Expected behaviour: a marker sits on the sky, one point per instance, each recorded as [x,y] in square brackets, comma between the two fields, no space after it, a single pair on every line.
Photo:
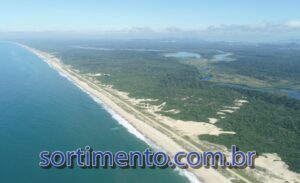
[211,19]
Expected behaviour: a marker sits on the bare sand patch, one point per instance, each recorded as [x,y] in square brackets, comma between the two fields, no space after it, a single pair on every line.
[275,170]
[227,110]
[213,120]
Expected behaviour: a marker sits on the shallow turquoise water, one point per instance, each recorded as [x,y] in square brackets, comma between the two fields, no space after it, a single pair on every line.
[40,110]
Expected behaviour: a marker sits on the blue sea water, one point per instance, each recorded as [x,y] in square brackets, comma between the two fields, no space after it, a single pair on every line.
[41,110]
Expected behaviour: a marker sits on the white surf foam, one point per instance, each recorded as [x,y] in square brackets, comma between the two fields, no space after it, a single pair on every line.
[191,177]
[123,122]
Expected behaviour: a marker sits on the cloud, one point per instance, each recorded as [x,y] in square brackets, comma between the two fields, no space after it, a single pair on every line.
[293,24]
[264,31]
[264,27]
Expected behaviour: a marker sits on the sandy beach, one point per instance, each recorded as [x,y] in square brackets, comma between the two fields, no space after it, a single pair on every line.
[156,132]
[157,137]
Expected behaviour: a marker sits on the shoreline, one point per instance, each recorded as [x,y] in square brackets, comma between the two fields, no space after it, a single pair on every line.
[156,131]
[146,132]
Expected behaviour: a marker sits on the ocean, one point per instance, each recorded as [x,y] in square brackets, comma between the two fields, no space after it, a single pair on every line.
[42,110]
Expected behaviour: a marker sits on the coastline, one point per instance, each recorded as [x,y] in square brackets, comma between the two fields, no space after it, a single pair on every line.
[160,132]
[134,124]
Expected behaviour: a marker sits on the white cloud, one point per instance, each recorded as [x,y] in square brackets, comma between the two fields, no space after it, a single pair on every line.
[293,24]
[264,31]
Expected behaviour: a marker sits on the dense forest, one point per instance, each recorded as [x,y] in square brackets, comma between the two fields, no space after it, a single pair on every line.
[268,123]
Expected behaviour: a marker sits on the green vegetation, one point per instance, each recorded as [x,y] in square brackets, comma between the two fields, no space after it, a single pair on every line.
[259,66]
[148,75]
[266,124]
[266,63]
[269,123]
